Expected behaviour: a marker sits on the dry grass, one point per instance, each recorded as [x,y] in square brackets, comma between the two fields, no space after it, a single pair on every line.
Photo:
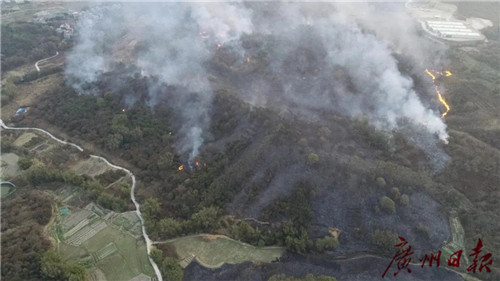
[9,165]
[213,251]
[90,166]
[24,138]
[28,93]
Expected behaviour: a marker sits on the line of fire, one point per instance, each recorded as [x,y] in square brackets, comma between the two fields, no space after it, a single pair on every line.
[433,74]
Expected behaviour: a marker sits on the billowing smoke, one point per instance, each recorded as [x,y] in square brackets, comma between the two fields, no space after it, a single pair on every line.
[169,42]
[319,59]
[322,60]
[393,23]
[87,61]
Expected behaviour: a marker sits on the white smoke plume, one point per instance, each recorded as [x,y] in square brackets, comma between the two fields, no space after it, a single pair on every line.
[87,60]
[171,42]
[403,33]
[322,41]
[321,59]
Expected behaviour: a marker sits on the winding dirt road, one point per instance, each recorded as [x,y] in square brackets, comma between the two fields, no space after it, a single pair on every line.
[45,59]
[132,190]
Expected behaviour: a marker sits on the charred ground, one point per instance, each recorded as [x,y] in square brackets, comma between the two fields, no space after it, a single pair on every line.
[302,175]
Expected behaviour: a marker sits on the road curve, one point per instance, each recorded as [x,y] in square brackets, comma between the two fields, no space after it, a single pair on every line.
[7,182]
[132,190]
[36,64]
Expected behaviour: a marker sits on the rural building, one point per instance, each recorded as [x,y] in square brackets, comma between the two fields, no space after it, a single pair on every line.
[453,30]
[21,110]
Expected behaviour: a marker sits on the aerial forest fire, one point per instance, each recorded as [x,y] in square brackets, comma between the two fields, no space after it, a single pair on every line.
[190,166]
[432,74]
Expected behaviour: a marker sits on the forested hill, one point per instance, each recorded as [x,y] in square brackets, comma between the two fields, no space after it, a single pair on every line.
[301,176]
[320,183]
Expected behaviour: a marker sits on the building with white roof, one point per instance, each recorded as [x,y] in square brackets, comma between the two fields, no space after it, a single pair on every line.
[453,30]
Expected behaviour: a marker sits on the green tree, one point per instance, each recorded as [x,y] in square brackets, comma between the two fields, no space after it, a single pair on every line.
[136,134]
[313,158]
[168,228]
[24,163]
[326,243]
[75,272]
[380,182]
[119,124]
[157,256]
[244,231]
[113,141]
[206,220]
[395,194]
[165,161]
[110,202]
[385,240]
[151,208]
[71,177]
[387,204]
[100,102]
[52,266]
[123,189]
[404,200]
[38,174]
[8,91]
[171,270]
[297,244]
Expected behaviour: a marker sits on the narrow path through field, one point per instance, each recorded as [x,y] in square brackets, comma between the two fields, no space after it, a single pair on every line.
[132,190]
[42,60]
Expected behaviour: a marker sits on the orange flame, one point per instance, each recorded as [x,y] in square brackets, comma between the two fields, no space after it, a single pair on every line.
[197,163]
[181,167]
[248,59]
[440,97]
[123,110]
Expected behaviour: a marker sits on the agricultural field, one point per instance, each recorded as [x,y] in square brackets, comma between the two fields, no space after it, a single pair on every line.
[213,251]
[90,166]
[24,138]
[5,190]
[9,165]
[117,254]
[29,11]
[104,241]
[108,244]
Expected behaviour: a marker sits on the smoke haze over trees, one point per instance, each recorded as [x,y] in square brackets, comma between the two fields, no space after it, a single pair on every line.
[312,58]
